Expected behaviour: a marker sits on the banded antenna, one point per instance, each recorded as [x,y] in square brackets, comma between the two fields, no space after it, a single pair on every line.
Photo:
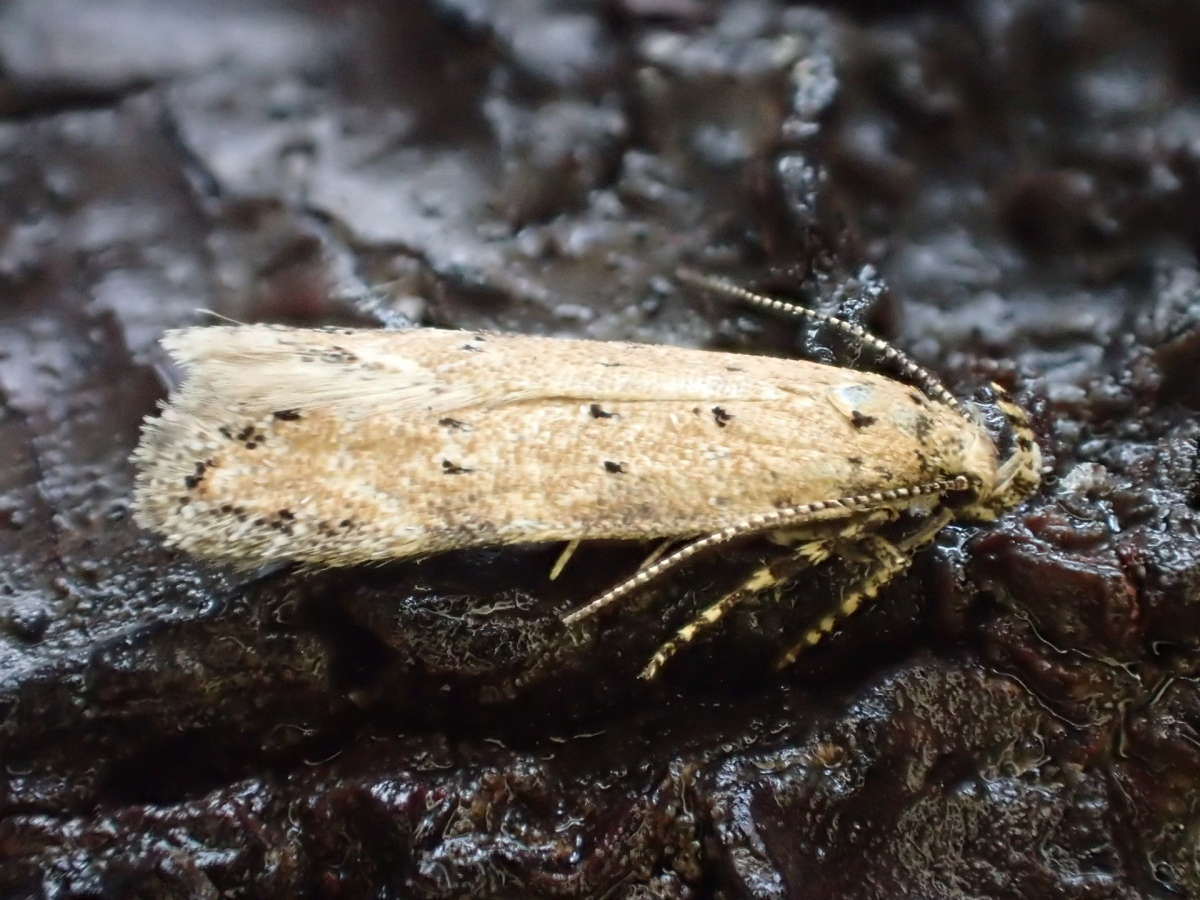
[929,383]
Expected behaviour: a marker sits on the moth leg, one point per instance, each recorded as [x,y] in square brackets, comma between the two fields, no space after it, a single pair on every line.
[812,546]
[762,579]
[806,514]
[564,558]
[815,552]
[817,543]
[657,553]
[887,560]
[890,562]
[569,551]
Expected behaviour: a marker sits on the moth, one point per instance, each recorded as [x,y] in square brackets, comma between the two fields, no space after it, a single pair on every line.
[338,447]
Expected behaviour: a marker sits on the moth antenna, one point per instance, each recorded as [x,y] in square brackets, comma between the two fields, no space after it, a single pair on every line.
[918,374]
[777,518]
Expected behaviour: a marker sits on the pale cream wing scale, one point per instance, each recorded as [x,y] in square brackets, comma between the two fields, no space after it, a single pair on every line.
[338,447]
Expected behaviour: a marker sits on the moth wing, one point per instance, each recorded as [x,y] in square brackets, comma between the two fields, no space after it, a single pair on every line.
[344,447]
[361,373]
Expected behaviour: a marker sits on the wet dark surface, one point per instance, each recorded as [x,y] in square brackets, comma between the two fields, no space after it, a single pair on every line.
[1008,190]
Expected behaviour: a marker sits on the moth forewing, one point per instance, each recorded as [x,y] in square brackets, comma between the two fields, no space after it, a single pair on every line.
[458,439]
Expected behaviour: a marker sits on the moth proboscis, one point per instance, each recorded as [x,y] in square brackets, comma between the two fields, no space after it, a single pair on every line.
[337,447]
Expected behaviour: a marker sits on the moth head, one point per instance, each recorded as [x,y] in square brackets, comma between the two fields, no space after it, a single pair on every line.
[1002,485]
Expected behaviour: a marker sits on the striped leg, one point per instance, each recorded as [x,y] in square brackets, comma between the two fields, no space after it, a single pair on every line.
[812,546]
[815,514]
[762,579]
[887,560]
